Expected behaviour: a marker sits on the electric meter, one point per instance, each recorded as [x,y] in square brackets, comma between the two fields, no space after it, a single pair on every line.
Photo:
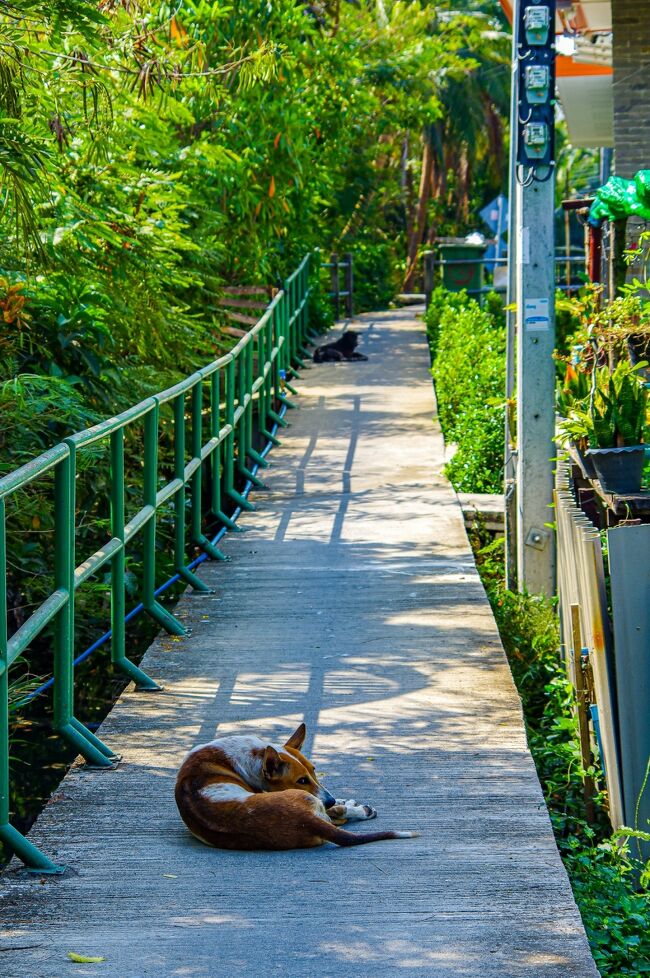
[538,84]
[537,24]
[536,140]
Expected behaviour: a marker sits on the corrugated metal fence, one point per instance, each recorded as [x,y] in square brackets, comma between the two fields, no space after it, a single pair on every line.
[605,622]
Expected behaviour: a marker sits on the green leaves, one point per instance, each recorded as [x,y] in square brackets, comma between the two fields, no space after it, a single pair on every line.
[84,958]
[615,413]
[468,346]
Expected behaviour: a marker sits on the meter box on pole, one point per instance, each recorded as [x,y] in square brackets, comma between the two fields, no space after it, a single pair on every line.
[536,85]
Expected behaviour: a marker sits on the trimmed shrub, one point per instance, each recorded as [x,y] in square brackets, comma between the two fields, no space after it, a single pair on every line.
[467,344]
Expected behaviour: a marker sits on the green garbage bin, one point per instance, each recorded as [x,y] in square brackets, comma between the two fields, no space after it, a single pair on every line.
[463,265]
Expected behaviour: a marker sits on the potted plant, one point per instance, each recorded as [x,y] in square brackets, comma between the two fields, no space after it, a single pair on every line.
[624,327]
[635,308]
[572,396]
[612,422]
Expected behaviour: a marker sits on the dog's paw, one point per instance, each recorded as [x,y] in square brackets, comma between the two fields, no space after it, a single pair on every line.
[356,812]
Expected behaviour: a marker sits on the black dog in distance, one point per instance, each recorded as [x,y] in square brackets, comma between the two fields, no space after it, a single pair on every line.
[343,349]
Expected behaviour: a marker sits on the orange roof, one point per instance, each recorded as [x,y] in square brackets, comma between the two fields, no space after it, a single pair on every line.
[581,18]
[568,68]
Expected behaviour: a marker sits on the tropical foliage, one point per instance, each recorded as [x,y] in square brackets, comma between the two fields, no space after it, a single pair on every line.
[150,153]
[464,147]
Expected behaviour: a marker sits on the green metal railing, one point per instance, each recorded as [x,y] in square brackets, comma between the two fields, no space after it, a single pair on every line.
[219,402]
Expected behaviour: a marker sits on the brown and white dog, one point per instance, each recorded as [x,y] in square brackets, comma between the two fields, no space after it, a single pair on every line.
[243,793]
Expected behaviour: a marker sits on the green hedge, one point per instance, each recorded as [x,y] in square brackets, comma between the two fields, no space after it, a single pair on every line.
[467,344]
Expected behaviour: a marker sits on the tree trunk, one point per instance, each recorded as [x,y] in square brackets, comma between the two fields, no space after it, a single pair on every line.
[464,181]
[408,190]
[416,236]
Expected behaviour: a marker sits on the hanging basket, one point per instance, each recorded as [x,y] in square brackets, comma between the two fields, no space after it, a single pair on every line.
[619,470]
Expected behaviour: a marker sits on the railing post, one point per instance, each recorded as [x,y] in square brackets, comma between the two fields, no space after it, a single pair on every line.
[217,455]
[11,837]
[64,549]
[151,605]
[287,346]
[196,503]
[231,491]
[428,259]
[334,268]
[179,500]
[315,263]
[291,326]
[243,438]
[277,351]
[291,289]
[303,298]
[118,591]
[307,294]
[252,379]
[89,746]
[251,454]
[349,285]
[265,353]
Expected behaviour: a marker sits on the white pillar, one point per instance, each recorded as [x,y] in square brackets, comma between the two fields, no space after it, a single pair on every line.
[535,291]
[535,386]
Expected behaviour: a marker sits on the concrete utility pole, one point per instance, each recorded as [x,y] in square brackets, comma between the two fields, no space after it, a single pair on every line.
[535,291]
[510,456]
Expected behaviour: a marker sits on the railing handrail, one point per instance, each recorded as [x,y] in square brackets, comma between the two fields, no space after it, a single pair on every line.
[559,260]
[26,473]
[237,382]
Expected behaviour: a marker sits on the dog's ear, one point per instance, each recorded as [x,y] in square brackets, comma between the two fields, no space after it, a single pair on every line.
[272,765]
[297,738]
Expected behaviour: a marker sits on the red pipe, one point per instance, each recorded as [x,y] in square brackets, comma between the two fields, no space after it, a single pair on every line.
[595,253]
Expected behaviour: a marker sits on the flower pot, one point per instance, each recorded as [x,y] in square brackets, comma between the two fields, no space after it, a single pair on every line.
[619,470]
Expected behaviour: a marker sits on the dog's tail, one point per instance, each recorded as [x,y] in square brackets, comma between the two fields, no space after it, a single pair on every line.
[332,833]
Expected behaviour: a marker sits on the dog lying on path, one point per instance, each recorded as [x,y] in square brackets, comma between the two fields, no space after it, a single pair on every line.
[244,793]
[342,349]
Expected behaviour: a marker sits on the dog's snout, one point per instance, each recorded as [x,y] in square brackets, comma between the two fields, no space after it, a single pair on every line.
[327,799]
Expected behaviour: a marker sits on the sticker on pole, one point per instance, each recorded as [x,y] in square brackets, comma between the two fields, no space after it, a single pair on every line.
[537,316]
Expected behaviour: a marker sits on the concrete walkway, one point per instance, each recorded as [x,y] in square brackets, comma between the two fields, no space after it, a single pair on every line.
[352,603]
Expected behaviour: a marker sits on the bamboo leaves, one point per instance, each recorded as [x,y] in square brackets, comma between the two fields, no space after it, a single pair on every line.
[153,157]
